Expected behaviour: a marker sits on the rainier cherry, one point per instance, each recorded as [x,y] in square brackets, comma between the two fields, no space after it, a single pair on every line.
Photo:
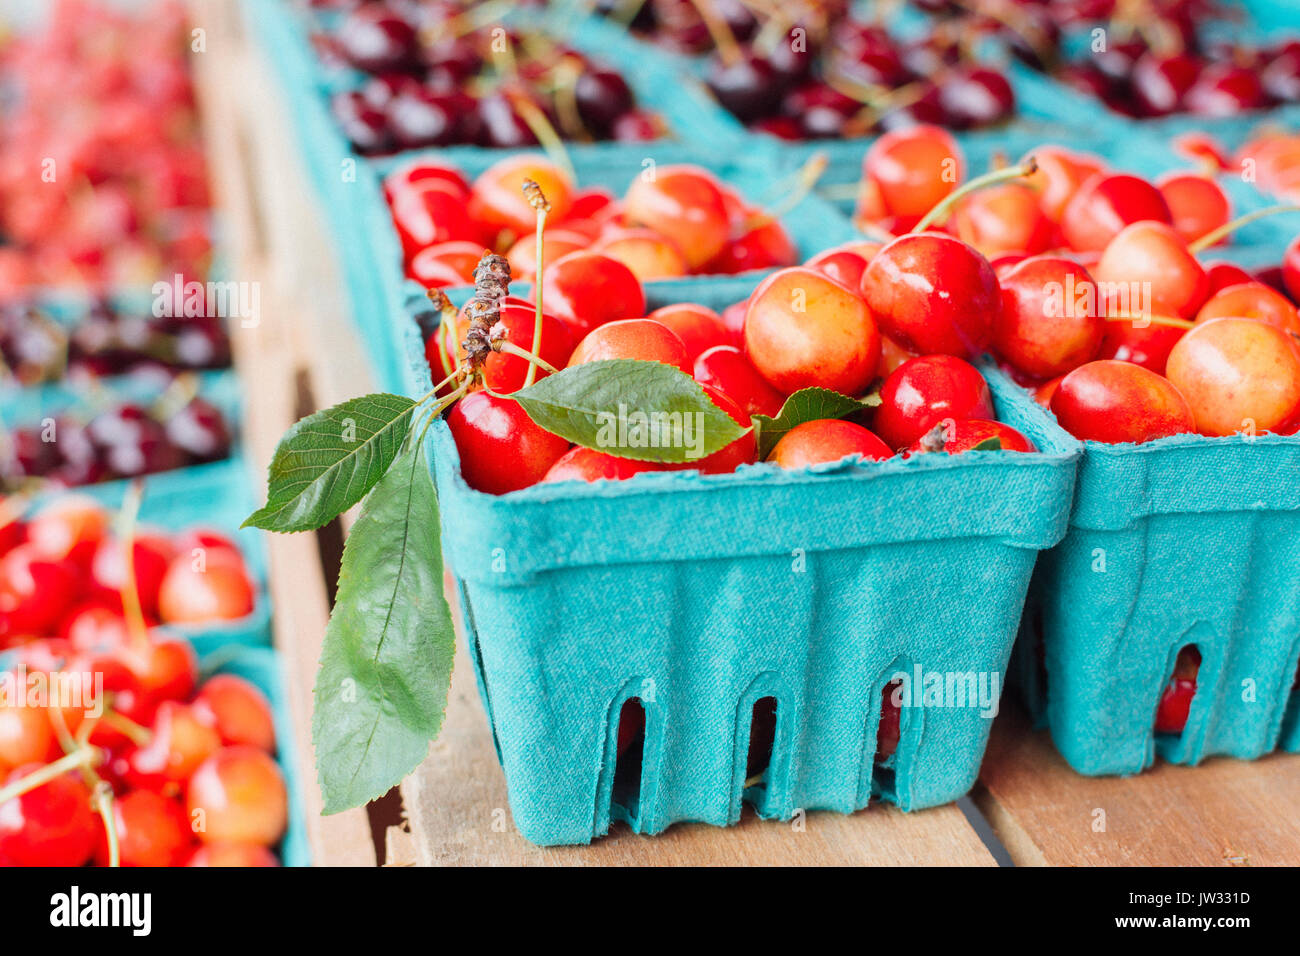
[69,527]
[685,204]
[1237,374]
[725,368]
[1002,219]
[217,590]
[35,592]
[1153,255]
[632,339]
[1050,321]
[504,372]
[926,391]
[742,451]
[497,199]
[232,854]
[933,293]
[1059,176]
[1196,202]
[501,448]
[1145,345]
[241,794]
[1104,205]
[25,735]
[698,326]
[1114,402]
[825,440]
[906,173]
[645,252]
[804,329]
[1291,269]
[1251,300]
[238,710]
[152,553]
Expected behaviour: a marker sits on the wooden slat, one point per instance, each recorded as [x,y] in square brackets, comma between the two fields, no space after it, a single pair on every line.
[456,802]
[1223,812]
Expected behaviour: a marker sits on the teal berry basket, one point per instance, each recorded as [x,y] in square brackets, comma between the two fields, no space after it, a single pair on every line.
[214,495]
[261,666]
[701,595]
[1182,541]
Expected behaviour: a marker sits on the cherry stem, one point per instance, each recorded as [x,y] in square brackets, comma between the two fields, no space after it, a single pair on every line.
[129,590]
[82,757]
[728,49]
[537,199]
[805,179]
[1172,321]
[567,72]
[546,134]
[535,361]
[1214,235]
[944,206]
[137,733]
[103,802]
[179,393]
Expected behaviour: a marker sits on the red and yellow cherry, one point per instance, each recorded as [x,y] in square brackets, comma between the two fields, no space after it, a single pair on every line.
[826,440]
[843,265]
[588,289]
[1251,300]
[95,625]
[587,464]
[25,735]
[152,830]
[1002,219]
[906,173]
[35,591]
[501,448]
[1237,374]
[955,437]
[742,451]
[164,668]
[557,243]
[241,795]
[926,391]
[1050,321]
[445,264]
[1221,275]
[182,739]
[803,328]
[592,203]
[762,243]
[1153,255]
[725,368]
[49,825]
[1060,174]
[685,204]
[632,339]
[218,589]
[698,326]
[497,199]
[1104,205]
[892,355]
[239,712]
[1115,402]
[69,528]
[152,554]
[1176,700]
[232,854]
[1196,202]
[645,252]
[932,293]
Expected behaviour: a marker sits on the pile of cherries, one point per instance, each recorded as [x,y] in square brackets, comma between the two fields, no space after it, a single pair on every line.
[102,174]
[62,575]
[104,340]
[435,82]
[821,74]
[683,220]
[122,441]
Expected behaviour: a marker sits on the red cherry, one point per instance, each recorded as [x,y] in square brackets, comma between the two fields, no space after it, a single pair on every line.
[698,326]
[742,451]
[955,437]
[725,368]
[51,825]
[825,440]
[95,625]
[1002,219]
[35,592]
[1059,176]
[1176,701]
[685,204]
[1107,203]
[152,553]
[906,173]
[804,329]
[501,448]
[1050,321]
[557,244]
[632,339]
[1153,255]
[165,668]
[587,464]
[25,735]
[588,289]
[888,732]
[238,795]
[1043,393]
[412,177]
[933,293]
[1223,274]
[843,265]
[504,372]
[1225,89]
[591,203]
[1291,269]
[1197,203]
[182,739]
[445,264]
[498,202]
[1148,346]
[152,830]
[764,245]
[1115,402]
[70,527]
[219,590]
[926,391]
[1251,300]
[433,214]
[238,710]
[232,854]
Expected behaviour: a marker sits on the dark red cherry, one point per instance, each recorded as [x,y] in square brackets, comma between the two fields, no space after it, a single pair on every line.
[976,97]
[602,97]
[1160,83]
[199,430]
[376,40]
[420,118]
[748,88]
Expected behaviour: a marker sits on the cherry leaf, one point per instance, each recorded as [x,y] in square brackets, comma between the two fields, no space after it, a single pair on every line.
[806,405]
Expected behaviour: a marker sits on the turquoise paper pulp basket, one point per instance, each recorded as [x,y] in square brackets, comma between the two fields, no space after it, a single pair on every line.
[1184,540]
[700,595]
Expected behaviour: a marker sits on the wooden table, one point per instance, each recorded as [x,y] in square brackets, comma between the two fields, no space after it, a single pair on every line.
[453,809]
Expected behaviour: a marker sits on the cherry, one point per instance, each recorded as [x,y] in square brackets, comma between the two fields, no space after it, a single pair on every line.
[1251,300]
[1160,83]
[889,730]
[749,86]
[955,437]
[843,264]
[95,626]
[501,448]
[1291,269]
[1281,77]
[1224,89]
[804,329]
[1043,393]
[151,554]
[587,464]
[645,252]
[152,830]
[698,326]
[763,243]
[685,204]
[217,590]
[1237,374]
[25,735]
[232,854]
[636,126]
[1148,346]
[1104,205]
[975,96]
[70,527]
[1224,274]
[199,430]
[1153,255]
[742,451]
[35,592]
[412,176]
[50,825]
[1176,700]
[182,738]
[131,443]
[504,372]
[826,440]
[1005,218]
[632,339]
[374,39]
[445,264]
[433,213]
[933,293]
[420,117]
[241,794]
[1115,402]
[522,256]
[1197,203]
[725,368]
[365,126]
[907,172]
[164,668]
[926,391]
[238,710]
[588,289]
[602,96]
[497,199]
[1049,322]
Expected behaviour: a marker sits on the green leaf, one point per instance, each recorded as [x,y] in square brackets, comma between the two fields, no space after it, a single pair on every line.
[630,408]
[806,405]
[326,462]
[989,444]
[385,667]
